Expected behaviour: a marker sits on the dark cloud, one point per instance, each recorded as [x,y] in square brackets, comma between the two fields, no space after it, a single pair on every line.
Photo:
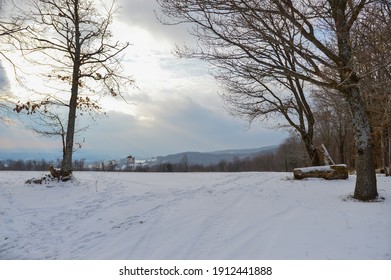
[170,126]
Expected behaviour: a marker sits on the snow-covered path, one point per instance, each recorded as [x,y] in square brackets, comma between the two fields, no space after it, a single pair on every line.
[190,216]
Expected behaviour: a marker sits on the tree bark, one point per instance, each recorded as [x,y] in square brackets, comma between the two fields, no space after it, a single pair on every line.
[366,186]
[67,161]
[67,158]
[311,150]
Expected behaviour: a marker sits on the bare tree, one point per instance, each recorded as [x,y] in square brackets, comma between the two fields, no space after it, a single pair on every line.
[253,90]
[73,39]
[316,34]
[253,93]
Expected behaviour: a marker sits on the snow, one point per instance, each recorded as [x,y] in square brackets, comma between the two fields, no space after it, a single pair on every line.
[191,216]
[323,168]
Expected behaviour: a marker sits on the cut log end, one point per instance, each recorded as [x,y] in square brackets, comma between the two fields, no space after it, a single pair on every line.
[328,172]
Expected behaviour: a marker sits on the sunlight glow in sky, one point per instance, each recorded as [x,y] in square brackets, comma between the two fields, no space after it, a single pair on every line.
[175,106]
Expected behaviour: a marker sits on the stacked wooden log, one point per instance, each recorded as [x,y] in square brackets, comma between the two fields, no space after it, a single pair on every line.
[328,172]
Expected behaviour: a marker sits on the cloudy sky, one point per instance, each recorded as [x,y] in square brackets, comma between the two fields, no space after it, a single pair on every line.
[176,106]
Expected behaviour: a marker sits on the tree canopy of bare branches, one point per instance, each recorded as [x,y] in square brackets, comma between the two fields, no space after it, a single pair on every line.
[266,53]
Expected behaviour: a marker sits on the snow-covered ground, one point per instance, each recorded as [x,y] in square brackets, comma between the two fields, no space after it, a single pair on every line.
[191,216]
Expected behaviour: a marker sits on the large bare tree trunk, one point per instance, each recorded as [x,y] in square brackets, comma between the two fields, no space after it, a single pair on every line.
[366,187]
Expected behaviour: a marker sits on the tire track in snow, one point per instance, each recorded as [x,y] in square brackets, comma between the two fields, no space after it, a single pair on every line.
[158,216]
[221,200]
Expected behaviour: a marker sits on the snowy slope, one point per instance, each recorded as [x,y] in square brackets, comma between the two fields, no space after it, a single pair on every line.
[191,216]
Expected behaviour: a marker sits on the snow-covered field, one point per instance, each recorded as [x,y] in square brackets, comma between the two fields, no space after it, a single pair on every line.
[191,216]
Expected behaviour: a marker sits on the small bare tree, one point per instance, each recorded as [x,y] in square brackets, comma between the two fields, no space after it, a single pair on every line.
[73,39]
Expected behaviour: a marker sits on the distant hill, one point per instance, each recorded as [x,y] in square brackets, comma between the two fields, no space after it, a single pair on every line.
[215,157]
[49,155]
[247,151]
[29,155]
[205,159]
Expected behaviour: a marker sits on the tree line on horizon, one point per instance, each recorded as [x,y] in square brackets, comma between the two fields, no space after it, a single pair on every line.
[289,155]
